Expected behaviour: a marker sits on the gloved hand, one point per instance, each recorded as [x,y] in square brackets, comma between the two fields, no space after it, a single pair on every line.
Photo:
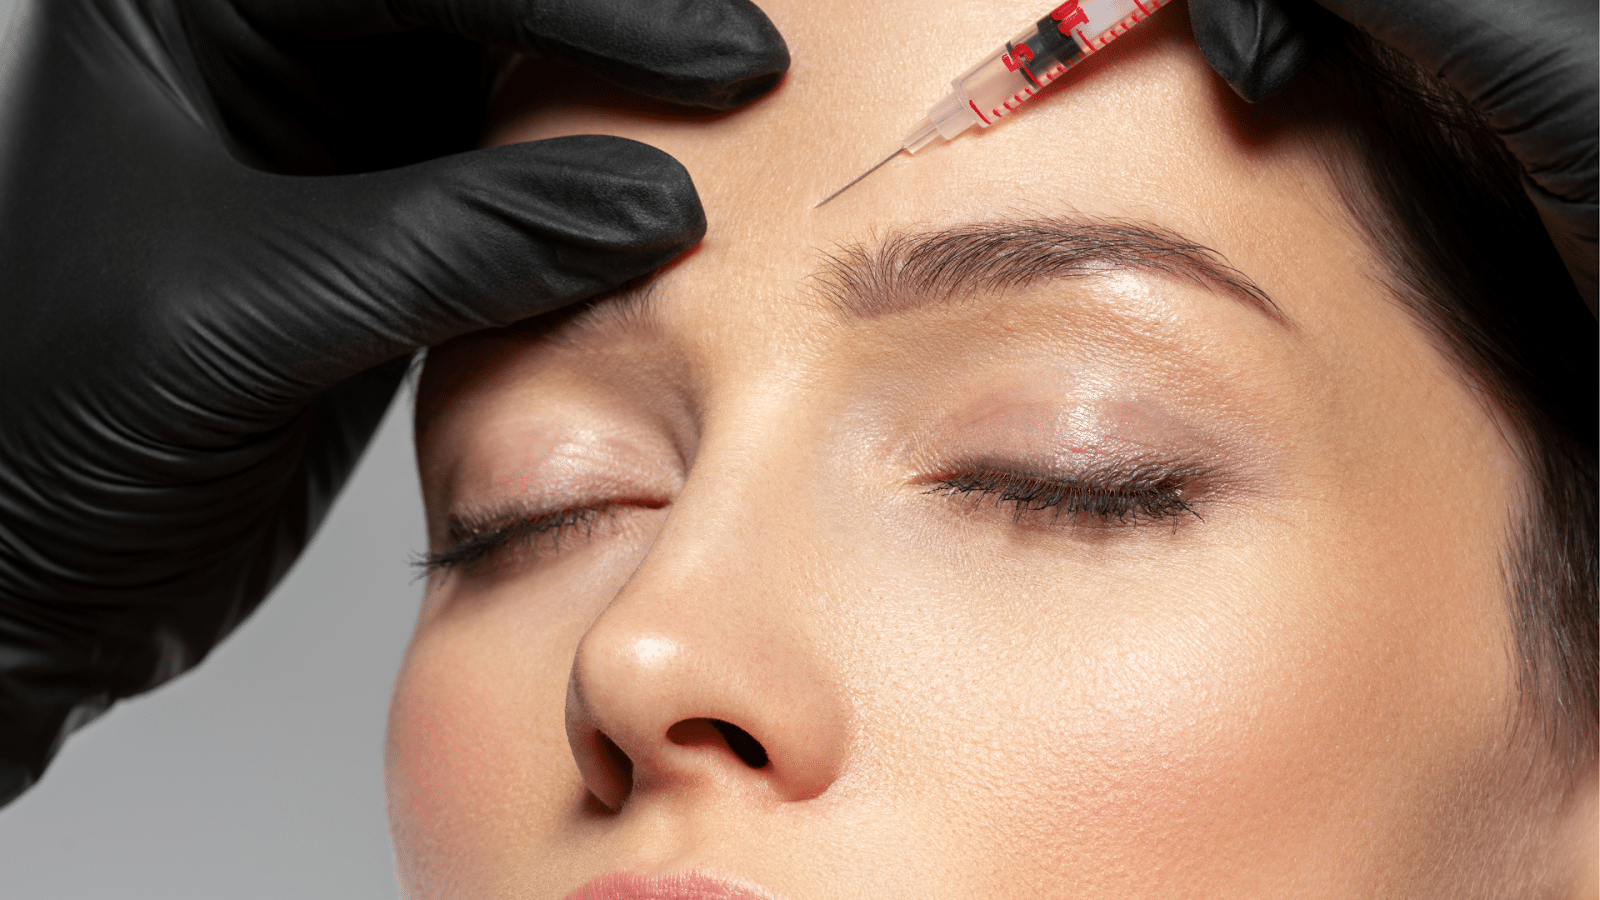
[204,313]
[1528,65]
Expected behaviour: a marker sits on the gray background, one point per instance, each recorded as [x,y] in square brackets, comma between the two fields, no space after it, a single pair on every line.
[258,774]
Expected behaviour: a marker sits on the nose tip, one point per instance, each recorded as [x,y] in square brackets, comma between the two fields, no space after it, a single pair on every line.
[654,712]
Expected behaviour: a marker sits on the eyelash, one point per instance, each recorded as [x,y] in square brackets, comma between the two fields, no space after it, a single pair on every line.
[1115,500]
[475,543]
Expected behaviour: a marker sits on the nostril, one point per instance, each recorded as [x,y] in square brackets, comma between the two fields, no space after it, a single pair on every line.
[617,756]
[742,744]
[705,732]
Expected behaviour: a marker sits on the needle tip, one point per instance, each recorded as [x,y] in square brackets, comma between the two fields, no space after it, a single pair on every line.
[859,177]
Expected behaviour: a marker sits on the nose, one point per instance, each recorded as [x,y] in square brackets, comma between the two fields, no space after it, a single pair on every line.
[698,678]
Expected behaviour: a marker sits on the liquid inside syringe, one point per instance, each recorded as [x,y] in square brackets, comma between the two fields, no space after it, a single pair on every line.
[1021,69]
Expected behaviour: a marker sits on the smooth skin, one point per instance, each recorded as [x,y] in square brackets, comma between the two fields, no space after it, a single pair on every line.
[1299,686]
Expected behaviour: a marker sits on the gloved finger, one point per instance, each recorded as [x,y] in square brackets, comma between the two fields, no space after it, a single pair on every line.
[1257,46]
[347,272]
[711,53]
[1527,65]
[342,421]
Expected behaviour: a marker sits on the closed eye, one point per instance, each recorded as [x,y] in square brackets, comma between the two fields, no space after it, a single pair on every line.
[477,541]
[1099,499]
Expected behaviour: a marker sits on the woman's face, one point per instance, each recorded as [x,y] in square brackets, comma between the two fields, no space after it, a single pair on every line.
[974,535]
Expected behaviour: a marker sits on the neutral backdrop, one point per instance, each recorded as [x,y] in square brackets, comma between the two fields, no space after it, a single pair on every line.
[258,774]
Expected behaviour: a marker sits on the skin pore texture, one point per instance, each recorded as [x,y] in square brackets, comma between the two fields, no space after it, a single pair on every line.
[1064,512]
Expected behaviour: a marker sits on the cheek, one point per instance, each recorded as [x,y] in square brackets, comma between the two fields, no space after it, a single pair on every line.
[477,761]
[477,755]
[1225,715]
[477,752]
[1071,746]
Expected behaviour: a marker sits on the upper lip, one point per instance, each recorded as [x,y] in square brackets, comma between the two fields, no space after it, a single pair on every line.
[678,886]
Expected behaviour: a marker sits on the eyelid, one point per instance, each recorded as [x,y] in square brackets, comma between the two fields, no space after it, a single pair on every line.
[476,538]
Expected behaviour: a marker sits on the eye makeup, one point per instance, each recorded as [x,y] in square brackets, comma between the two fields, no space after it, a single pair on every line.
[1035,456]
[1113,497]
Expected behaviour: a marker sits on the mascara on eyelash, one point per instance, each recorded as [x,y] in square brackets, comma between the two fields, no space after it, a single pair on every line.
[1124,500]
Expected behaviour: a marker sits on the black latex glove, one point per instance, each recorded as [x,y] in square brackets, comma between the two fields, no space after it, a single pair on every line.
[1529,65]
[203,314]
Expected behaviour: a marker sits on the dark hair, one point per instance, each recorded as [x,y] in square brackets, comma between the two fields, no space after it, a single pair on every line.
[1442,201]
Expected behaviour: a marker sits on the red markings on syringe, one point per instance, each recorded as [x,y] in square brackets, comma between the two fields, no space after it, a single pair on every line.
[1068,16]
[1024,56]
[1117,30]
[1043,48]
[1026,92]
[1121,28]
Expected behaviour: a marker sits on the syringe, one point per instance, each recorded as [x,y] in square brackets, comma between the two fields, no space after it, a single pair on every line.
[1044,52]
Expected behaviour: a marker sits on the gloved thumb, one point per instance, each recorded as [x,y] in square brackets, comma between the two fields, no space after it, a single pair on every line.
[342,273]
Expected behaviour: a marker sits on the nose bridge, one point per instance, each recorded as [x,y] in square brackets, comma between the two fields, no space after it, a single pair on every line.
[711,660]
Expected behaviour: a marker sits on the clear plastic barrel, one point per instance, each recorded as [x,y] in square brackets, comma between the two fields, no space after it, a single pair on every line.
[993,88]
[1043,53]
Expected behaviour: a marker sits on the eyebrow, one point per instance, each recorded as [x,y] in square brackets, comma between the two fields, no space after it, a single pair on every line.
[906,271]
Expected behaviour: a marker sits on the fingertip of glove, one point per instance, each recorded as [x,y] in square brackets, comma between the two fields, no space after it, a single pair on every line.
[384,262]
[711,54]
[755,60]
[737,93]
[1257,46]
[640,185]
[605,208]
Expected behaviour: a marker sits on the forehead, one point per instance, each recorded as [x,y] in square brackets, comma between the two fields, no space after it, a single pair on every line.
[1142,131]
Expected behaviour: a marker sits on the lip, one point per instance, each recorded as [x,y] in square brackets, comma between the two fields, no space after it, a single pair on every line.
[679,886]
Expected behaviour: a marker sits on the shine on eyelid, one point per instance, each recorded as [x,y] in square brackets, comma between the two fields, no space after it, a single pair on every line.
[1061,433]
[1090,420]
[1066,421]
[521,472]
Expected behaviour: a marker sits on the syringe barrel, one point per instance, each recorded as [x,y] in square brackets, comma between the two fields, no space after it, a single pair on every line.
[1043,53]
